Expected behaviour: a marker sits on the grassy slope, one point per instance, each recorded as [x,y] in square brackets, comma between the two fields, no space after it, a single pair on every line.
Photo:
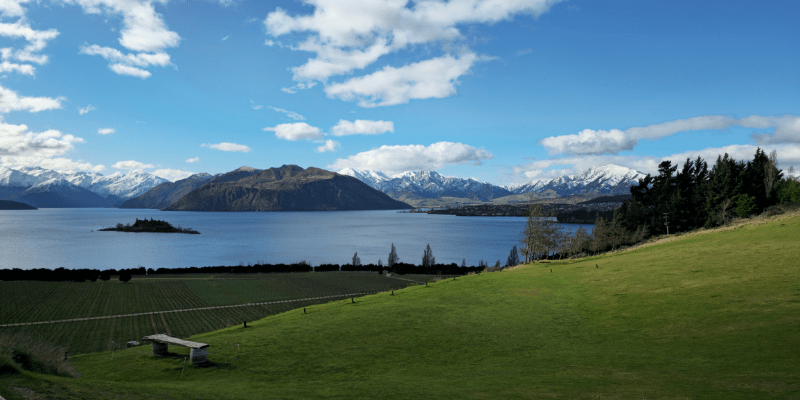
[705,316]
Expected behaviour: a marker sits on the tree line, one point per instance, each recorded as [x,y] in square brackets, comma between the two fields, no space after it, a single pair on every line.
[428,266]
[673,201]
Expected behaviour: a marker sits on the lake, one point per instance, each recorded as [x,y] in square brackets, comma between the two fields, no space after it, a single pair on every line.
[52,238]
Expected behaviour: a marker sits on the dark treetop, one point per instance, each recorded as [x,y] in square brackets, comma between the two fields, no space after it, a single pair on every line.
[151,225]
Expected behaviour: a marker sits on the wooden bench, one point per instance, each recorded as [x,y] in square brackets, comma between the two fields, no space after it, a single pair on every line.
[197,355]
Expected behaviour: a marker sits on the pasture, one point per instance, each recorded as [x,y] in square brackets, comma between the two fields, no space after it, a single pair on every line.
[153,298]
[702,316]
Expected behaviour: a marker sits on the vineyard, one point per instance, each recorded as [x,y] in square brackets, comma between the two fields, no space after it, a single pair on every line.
[180,306]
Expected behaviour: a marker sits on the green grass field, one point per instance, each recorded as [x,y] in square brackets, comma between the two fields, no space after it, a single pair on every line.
[26,301]
[707,316]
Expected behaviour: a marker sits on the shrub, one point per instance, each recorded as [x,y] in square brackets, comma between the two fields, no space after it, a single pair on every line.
[19,352]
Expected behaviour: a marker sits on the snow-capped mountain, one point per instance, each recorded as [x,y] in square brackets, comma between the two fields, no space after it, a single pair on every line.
[608,179]
[41,187]
[124,186]
[427,184]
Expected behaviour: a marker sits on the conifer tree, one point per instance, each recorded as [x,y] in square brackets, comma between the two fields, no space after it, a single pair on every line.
[428,260]
[393,258]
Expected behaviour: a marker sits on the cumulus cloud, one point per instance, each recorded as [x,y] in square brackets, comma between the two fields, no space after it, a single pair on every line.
[105,131]
[132,165]
[291,114]
[172,174]
[19,141]
[362,127]
[434,78]
[193,160]
[330,145]
[596,142]
[11,101]
[397,159]
[85,110]
[143,31]
[347,36]
[296,131]
[225,146]
[57,163]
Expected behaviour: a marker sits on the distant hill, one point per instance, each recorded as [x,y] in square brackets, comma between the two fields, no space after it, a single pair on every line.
[15,205]
[165,194]
[288,188]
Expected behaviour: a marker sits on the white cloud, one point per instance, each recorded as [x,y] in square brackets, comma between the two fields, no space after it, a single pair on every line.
[58,163]
[25,69]
[144,32]
[346,36]
[296,131]
[596,142]
[172,174]
[193,160]
[397,159]
[226,38]
[12,8]
[291,114]
[36,42]
[555,167]
[298,87]
[225,146]
[132,165]
[18,141]
[86,109]
[105,131]
[362,127]
[329,145]
[786,129]
[11,101]
[434,78]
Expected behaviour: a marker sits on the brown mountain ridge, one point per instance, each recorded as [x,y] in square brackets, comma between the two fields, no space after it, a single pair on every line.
[288,188]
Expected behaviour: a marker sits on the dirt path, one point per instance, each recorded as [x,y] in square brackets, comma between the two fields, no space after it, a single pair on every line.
[189,309]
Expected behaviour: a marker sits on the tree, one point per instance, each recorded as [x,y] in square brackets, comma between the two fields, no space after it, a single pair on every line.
[428,260]
[105,276]
[539,234]
[771,174]
[124,277]
[380,263]
[513,257]
[580,241]
[393,258]
[745,205]
[463,263]
[497,264]
[482,264]
[356,260]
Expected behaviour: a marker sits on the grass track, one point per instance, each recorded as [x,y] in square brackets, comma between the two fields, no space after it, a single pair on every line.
[714,316]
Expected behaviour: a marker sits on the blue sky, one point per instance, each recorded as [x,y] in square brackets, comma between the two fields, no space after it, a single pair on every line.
[504,91]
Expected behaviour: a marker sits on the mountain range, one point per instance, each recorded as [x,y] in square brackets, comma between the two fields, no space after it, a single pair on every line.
[46,188]
[416,187]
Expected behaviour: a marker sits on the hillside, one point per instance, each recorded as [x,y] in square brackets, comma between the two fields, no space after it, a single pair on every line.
[710,316]
[14,205]
[167,193]
[288,188]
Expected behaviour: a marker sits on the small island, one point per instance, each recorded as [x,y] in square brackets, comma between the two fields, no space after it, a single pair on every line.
[151,225]
[15,205]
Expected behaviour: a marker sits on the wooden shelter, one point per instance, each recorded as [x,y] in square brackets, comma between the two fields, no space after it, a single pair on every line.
[197,355]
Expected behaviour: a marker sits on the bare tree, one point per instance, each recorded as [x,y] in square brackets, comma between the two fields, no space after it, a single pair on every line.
[428,260]
[356,260]
[393,258]
[564,241]
[790,174]
[580,241]
[722,217]
[539,234]
[771,173]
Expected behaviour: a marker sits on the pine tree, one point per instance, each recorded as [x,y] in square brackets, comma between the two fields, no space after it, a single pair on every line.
[428,260]
[393,258]
[513,257]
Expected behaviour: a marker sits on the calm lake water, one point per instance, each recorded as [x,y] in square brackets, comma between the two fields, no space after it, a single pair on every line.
[52,238]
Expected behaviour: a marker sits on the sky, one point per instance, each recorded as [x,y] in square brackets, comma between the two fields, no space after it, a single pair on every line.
[502,91]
